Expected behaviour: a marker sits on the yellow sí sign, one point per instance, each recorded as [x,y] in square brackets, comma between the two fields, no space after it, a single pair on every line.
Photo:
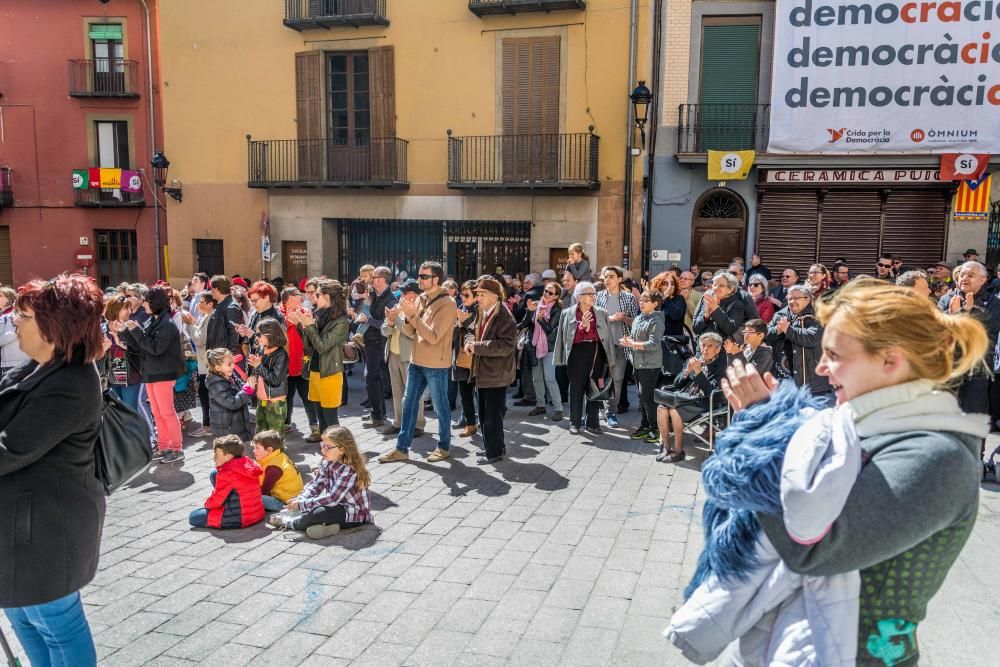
[729,165]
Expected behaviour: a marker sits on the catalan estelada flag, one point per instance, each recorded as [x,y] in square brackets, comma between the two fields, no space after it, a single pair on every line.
[972,201]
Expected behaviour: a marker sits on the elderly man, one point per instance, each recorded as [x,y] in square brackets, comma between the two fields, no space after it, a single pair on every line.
[491,342]
[398,352]
[779,295]
[796,337]
[942,272]
[431,321]
[691,296]
[970,297]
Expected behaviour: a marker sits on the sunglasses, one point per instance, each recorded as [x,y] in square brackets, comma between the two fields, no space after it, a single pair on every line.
[468,295]
[885,266]
[551,293]
[424,276]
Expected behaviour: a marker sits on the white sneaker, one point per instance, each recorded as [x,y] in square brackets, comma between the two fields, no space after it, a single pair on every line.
[320,531]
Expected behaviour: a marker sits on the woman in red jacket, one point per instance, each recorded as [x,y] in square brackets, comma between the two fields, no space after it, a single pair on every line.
[758,290]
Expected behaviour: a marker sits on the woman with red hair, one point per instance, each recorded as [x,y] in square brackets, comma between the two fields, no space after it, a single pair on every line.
[50,416]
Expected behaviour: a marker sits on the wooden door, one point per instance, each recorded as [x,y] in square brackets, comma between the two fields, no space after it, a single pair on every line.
[718,232]
[530,140]
[310,127]
[558,258]
[294,261]
[382,105]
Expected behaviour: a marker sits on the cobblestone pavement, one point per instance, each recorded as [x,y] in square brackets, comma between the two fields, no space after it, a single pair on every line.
[572,552]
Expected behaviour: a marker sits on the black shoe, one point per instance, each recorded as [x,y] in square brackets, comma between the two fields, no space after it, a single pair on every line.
[517,395]
[639,434]
[523,402]
[391,430]
[594,429]
[158,454]
[451,407]
[536,412]
[484,461]
[366,403]
[417,432]
[374,423]
[677,457]
[173,456]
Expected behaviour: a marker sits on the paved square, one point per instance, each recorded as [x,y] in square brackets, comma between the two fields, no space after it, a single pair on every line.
[573,552]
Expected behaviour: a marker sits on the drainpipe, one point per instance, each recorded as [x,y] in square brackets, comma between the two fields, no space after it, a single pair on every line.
[152,137]
[654,123]
[629,125]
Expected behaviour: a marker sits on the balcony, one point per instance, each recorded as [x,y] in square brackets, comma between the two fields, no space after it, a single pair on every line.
[494,7]
[722,127]
[107,198]
[6,188]
[104,77]
[308,14]
[531,161]
[326,163]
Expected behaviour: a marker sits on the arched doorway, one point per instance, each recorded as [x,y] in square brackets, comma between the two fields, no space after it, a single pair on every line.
[718,229]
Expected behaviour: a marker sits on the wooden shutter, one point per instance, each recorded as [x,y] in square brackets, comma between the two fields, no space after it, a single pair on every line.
[730,65]
[382,103]
[309,72]
[850,227]
[786,234]
[915,226]
[530,107]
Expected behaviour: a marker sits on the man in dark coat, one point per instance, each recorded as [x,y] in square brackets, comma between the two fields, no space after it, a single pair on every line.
[382,299]
[779,294]
[222,324]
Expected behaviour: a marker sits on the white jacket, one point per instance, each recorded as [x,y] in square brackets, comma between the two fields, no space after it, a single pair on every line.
[10,349]
[779,617]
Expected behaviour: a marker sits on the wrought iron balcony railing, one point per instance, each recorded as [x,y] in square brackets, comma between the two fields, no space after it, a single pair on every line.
[291,163]
[524,161]
[723,127]
[108,198]
[6,188]
[305,14]
[104,77]
[489,7]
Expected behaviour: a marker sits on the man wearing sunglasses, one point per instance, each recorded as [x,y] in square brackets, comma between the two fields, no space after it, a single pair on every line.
[430,320]
[883,268]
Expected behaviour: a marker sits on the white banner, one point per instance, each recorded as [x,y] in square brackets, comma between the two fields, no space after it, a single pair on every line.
[894,77]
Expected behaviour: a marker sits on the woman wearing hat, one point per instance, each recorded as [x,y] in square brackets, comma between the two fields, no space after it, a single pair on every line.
[583,345]
[492,346]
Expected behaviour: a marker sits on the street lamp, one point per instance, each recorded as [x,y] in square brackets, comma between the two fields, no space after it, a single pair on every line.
[160,165]
[641,97]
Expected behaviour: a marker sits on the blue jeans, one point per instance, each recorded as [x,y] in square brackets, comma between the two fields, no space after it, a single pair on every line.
[198,518]
[145,411]
[128,393]
[419,378]
[272,504]
[55,633]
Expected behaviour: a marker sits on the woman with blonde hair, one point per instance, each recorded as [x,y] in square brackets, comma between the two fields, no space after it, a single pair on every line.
[897,524]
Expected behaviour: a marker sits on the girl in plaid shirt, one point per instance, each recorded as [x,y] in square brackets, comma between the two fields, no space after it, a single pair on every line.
[337,496]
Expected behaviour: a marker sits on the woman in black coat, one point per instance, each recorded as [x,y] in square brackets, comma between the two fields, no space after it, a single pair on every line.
[50,415]
[159,345]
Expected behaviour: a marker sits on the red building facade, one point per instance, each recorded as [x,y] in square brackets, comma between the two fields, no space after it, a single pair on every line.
[78,91]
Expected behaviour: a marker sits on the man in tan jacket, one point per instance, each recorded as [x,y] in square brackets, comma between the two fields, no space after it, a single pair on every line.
[430,320]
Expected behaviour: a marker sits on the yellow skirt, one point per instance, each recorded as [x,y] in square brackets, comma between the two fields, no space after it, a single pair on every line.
[326,391]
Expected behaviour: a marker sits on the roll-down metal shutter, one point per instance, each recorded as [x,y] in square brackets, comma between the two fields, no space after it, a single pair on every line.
[786,235]
[849,227]
[915,227]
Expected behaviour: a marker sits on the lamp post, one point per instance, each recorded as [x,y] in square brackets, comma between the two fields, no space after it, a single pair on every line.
[160,165]
[639,98]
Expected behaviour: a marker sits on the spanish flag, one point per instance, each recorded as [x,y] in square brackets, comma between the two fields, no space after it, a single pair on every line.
[972,201]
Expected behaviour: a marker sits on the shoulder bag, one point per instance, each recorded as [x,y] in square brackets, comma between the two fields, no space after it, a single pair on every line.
[122,450]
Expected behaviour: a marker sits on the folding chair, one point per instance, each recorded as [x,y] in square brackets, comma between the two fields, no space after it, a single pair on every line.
[715,419]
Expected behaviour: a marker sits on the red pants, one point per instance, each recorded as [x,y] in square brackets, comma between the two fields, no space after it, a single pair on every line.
[168,426]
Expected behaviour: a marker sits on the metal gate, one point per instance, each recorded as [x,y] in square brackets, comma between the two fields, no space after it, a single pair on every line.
[993,239]
[117,257]
[465,248]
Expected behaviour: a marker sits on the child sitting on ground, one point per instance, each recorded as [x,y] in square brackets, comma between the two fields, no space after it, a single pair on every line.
[235,501]
[337,497]
[270,375]
[280,481]
[228,396]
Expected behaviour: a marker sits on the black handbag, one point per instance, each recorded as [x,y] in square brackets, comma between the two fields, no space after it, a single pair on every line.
[123,449]
[599,388]
[672,398]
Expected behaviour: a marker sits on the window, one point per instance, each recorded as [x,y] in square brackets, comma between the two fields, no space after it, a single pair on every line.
[117,256]
[112,152]
[208,256]
[6,264]
[530,92]
[109,52]
[348,119]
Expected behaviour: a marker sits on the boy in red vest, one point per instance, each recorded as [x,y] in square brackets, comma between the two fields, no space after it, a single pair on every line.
[235,501]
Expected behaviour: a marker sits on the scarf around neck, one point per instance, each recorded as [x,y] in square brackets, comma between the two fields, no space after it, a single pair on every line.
[538,337]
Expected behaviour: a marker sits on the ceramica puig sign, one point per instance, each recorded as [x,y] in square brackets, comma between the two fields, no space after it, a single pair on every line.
[895,77]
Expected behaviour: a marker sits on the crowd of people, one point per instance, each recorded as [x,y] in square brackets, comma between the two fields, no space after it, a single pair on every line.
[242,351]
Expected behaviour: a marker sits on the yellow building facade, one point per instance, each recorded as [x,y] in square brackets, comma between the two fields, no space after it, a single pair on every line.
[390,131]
